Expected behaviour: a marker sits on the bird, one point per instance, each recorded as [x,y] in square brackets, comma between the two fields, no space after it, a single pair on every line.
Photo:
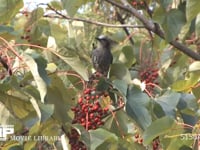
[101,55]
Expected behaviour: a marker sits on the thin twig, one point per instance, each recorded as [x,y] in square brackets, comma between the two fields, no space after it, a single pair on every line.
[89,20]
[10,47]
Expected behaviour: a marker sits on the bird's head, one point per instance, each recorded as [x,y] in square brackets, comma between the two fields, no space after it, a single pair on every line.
[105,42]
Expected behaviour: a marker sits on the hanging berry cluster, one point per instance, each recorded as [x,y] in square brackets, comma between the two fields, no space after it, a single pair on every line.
[26,35]
[88,111]
[156,144]
[74,141]
[149,75]
[138,3]
[138,138]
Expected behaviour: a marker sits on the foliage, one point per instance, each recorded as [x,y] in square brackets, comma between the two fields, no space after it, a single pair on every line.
[149,100]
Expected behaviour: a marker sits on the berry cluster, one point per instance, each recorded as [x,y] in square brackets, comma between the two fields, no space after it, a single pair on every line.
[149,76]
[138,3]
[88,111]
[26,36]
[138,139]
[74,141]
[156,144]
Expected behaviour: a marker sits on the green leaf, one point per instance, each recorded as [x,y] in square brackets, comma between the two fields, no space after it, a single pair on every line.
[121,86]
[46,111]
[72,6]
[6,117]
[36,14]
[180,143]
[119,71]
[159,15]
[75,79]
[187,84]
[36,107]
[74,61]
[84,134]
[56,5]
[40,31]
[136,107]
[30,144]
[127,56]
[7,32]
[165,3]
[196,92]
[59,33]
[18,107]
[159,127]
[192,9]
[168,102]
[8,9]
[173,22]
[188,108]
[99,136]
[17,147]
[37,67]
[61,99]
[120,124]
[187,101]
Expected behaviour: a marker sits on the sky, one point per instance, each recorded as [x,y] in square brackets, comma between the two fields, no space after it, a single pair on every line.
[31,4]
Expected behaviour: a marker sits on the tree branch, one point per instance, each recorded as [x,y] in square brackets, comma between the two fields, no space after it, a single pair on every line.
[150,25]
[121,20]
[89,20]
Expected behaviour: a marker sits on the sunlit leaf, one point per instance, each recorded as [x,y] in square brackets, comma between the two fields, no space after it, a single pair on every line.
[37,67]
[56,5]
[195,66]
[20,108]
[72,6]
[9,9]
[75,62]
[30,144]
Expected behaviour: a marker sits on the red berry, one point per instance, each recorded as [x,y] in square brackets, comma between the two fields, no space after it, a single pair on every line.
[91,115]
[93,97]
[88,98]
[28,30]
[137,136]
[140,141]
[106,109]
[87,91]
[134,3]
[97,96]
[80,100]
[95,107]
